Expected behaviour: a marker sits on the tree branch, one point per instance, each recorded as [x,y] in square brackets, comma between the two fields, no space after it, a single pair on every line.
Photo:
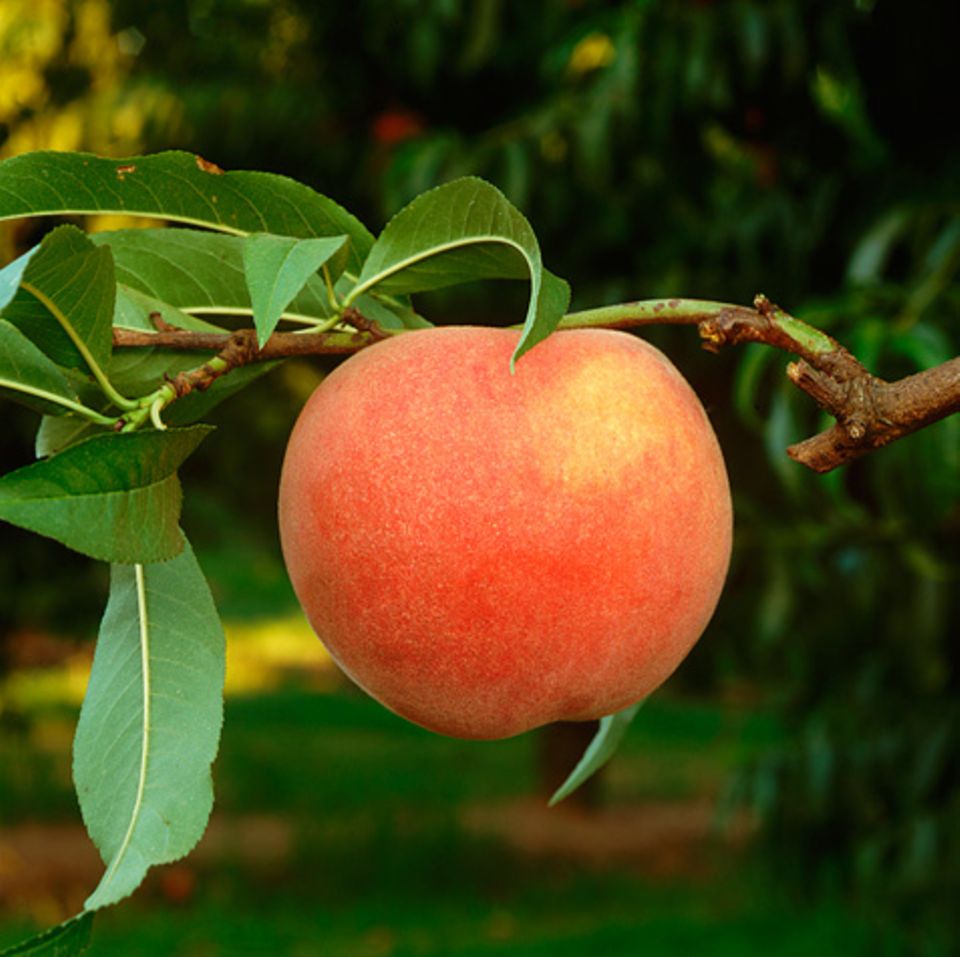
[870,412]
[241,346]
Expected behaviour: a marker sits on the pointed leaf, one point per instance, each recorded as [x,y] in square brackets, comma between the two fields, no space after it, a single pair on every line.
[78,279]
[150,724]
[462,231]
[68,939]
[185,272]
[603,746]
[278,267]
[114,496]
[178,187]
[28,376]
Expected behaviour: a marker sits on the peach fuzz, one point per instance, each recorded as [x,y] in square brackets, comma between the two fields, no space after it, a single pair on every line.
[484,551]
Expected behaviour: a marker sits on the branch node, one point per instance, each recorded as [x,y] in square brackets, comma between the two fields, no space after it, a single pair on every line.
[353,317]
[161,324]
[764,306]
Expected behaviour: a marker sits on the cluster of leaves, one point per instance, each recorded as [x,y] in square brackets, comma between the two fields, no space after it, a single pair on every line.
[112,434]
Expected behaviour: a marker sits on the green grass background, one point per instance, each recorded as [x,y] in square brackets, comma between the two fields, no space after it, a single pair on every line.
[381,864]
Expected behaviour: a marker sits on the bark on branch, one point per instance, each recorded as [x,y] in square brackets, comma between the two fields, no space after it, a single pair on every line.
[870,412]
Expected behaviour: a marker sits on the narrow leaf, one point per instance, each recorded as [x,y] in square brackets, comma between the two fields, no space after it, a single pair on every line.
[462,231]
[278,267]
[65,940]
[177,187]
[114,496]
[77,279]
[603,746]
[150,724]
[28,376]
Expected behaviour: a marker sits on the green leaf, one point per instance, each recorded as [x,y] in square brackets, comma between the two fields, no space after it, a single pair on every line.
[178,187]
[278,267]
[114,496]
[462,231]
[29,377]
[181,272]
[603,746]
[78,280]
[65,940]
[57,432]
[134,310]
[150,723]
[142,370]
[391,312]
[198,272]
[552,303]
[12,274]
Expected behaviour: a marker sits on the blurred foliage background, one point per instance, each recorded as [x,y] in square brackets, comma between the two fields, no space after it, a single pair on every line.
[659,147]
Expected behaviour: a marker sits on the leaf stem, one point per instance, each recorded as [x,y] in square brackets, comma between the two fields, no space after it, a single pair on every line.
[105,384]
[156,407]
[331,292]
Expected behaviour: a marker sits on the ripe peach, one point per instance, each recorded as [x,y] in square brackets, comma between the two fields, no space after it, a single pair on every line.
[486,551]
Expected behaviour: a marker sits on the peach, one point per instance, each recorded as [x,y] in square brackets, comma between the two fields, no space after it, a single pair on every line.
[484,551]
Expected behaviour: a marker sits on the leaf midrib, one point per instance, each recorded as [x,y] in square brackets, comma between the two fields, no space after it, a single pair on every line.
[402,264]
[145,737]
[15,385]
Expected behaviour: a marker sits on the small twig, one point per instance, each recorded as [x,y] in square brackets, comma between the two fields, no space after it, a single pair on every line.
[281,345]
[233,350]
[353,317]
